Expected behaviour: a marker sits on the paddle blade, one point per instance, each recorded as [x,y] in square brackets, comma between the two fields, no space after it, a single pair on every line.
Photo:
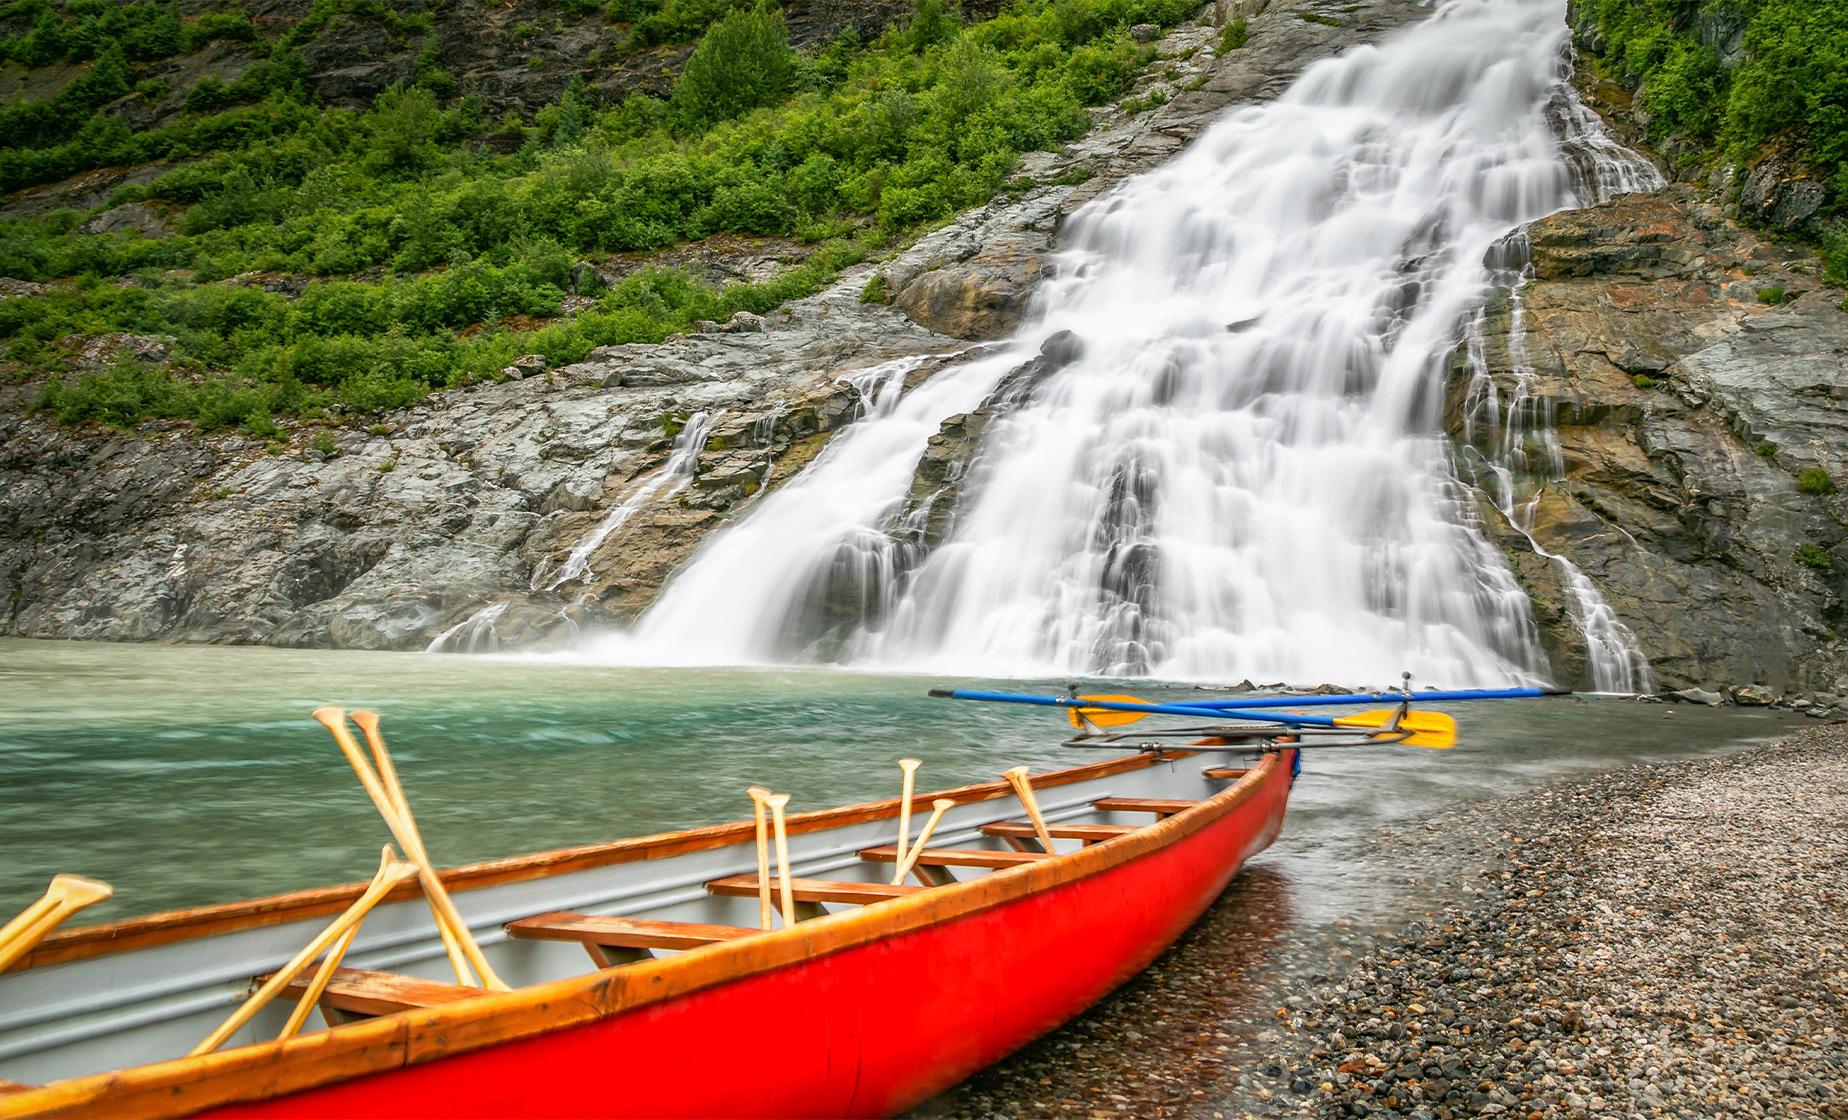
[1083,718]
[1428,729]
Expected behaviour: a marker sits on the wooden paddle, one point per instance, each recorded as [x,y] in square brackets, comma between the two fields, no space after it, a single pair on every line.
[937,808]
[66,895]
[1017,777]
[449,922]
[460,937]
[909,766]
[322,976]
[759,796]
[392,871]
[777,801]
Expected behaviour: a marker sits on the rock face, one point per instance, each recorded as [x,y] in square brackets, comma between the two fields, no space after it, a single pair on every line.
[456,517]
[1697,380]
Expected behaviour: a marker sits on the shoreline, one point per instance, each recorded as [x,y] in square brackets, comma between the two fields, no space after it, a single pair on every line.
[1656,939]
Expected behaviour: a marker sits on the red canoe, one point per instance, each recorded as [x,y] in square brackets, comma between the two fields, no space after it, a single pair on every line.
[879,998]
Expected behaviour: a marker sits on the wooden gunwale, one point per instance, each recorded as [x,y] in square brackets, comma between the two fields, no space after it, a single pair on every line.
[84,942]
[258,1072]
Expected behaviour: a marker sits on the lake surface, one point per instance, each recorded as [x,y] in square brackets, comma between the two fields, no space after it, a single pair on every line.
[192,774]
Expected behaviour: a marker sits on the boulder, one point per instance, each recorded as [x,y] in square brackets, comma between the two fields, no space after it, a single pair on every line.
[980,297]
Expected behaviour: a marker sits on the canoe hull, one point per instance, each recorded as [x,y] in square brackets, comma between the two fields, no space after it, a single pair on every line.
[868,1030]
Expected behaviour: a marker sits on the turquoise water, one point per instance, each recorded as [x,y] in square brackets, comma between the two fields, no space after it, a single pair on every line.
[193,774]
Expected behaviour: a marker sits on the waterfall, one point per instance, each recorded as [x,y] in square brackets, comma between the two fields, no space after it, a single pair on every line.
[473,634]
[663,483]
[1238,470]
[1518,451]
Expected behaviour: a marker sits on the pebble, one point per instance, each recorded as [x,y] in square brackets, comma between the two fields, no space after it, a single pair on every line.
[1662,940]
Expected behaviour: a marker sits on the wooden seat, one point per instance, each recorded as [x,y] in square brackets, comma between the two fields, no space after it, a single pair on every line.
[630,937]
[1089,833]
[1225,773]
[956,857]
[13,1086]
[361,991]
[813,890]
[1161,807]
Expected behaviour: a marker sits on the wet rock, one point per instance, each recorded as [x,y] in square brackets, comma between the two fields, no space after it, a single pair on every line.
[1685,413]
[1776,195]
[979,296]
[1700,696]
[1145,32]
[13,289]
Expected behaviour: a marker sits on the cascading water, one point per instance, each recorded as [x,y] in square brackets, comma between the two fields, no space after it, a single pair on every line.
[1241,472]
[673,475]
[1516,451]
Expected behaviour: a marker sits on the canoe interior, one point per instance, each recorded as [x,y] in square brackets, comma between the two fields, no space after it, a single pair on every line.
[146,991]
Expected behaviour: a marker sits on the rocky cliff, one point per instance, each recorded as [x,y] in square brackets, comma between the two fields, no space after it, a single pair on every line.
[1696,377]
[468,506]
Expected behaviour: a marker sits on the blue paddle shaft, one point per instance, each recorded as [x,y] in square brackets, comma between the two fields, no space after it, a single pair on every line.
[1380,697]
[1286,718]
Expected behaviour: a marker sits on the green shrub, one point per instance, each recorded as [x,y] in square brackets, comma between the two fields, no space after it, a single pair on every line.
[875,290]
[1773,294]
[1643,381]
[1813,556]
[1790,86]
[1234,35]
[1154,99]
[929,25]
[742,63]
[1816,481]
[430,257]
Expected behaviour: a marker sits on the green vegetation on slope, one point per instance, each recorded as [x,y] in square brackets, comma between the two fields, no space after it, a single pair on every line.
[1789,89]
[423,243]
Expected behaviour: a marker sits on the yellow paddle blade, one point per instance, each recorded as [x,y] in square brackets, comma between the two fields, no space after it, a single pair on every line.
[1428,729]
[1082,718]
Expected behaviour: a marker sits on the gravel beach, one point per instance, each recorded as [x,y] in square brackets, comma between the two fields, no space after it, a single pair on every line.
[1660,940]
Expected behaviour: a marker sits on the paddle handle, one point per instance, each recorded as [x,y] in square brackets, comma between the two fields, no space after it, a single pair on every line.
[317,986]
[392,871]
[910,768]
[457,940]
[776,802]
[759,796]
[1017,777]
[937,808]
[66,895]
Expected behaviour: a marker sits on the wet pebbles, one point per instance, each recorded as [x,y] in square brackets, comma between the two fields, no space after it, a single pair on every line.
[1667,940]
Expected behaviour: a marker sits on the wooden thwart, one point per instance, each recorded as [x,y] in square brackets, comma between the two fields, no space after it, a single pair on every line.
[1225,773]
[361,991]
[624,933]
[815,890]
[1160,806]
[13,1086]
[956,857]
[1089,833]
